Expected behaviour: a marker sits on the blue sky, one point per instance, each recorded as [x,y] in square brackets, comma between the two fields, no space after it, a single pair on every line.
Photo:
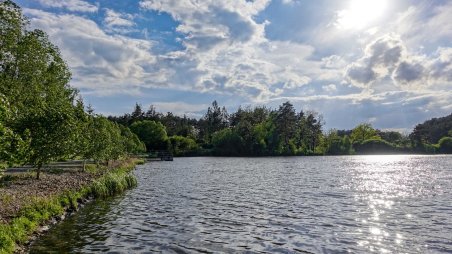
[388,63]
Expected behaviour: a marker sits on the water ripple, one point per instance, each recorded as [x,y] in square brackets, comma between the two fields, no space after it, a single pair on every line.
[387,204]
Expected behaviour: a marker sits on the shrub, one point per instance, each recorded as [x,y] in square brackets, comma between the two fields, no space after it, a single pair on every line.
[6,242]
[371,146]
[445,145]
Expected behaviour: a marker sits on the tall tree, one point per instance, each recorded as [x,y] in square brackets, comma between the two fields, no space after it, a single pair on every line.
[215,119]
[35,79]
[285,121]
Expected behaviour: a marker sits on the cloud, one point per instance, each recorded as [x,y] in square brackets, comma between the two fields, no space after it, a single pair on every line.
[227,51]
[409,72]
[99,62]
[380,58]
[441,67]
[288,1]
[115,19]
[388,57]
[329,88]
[71,5]
[425,25]
[181,108]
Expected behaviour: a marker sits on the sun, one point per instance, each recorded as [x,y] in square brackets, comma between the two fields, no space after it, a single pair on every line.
[361,13]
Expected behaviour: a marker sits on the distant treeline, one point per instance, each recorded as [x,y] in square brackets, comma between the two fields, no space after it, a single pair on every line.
[42,118]
[263,131]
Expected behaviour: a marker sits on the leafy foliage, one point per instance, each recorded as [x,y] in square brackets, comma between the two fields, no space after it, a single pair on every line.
[431,131]
[445,145]
[41,117]
[152,133]
[183,146]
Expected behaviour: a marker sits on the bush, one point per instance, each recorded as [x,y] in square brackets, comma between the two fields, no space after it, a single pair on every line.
[6,242]
[445,145]
[113,183]
[227,142]
[375,146]
[182,146]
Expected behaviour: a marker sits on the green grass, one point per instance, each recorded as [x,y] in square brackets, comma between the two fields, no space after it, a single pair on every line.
[41,210]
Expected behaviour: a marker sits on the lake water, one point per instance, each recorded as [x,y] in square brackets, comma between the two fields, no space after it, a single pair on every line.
[358,204]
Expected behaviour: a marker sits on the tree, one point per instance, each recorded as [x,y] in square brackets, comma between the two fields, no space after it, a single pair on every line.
[431,131]
[363,132]
[181,146]
[390,136]
[131,143]
[12,146]
[375,146]
[214,120]
[153,134]
[137,114]
[227,142]
[101,140]
[285,122]
[34,78]
[445,145]
[336,145]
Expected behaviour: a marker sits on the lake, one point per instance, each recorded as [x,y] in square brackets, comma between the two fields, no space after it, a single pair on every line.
[359,204]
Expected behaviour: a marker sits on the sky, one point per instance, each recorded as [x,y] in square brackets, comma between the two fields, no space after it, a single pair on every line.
[383,62]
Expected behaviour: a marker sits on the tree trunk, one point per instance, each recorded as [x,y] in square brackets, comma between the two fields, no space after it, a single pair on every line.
[38,172]
[84,165]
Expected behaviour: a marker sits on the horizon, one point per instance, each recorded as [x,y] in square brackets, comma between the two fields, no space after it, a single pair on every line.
[377,62]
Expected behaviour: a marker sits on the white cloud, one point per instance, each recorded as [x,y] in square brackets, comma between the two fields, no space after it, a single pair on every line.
[72,5]
[115,19]
[227,51]
[441,67]
[288,1]
[388,57]
[380,58]
[180,108]
[329,88]
[100,62]
[423,25]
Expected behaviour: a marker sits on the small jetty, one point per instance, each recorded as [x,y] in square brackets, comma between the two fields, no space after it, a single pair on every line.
[160,155]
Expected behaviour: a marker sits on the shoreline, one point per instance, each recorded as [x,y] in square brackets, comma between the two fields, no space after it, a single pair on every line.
[44,228]
[27,211]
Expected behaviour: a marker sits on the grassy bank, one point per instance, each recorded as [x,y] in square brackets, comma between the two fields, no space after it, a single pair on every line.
[39,210]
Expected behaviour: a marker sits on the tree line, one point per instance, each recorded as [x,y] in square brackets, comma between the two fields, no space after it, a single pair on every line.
[262,131]
[43,118]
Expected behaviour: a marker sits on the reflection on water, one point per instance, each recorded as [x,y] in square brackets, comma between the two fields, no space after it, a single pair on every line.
[361,204]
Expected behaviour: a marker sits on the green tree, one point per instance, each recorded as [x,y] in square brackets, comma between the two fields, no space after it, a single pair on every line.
[285,122]
[34,78]
[131,143]
[153,134]
[101,142]
[214,120]
[336,145]
[181,146]
[363,132]
[12,146]
[430,132]
[445,145]
[227,142]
